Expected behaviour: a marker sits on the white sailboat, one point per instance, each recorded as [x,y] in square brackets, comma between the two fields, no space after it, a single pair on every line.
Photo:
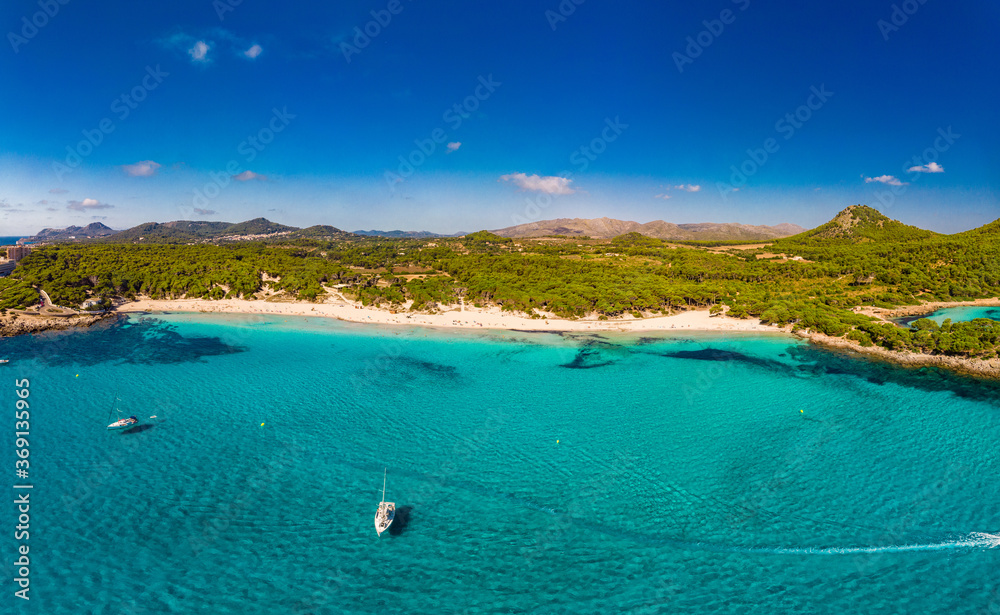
[386,512]
[121,423]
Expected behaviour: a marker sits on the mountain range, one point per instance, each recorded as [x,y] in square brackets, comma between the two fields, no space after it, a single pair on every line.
[193,231]
[601,228]
[405,234]
[189,231]
[71,233]
[855,224]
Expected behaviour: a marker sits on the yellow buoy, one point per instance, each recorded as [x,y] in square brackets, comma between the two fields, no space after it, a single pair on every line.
[557,441]
[78,375]
[262,424]
[802,411]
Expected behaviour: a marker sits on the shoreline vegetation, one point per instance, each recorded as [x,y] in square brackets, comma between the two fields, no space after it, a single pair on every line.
[988,368]
[929,307]
[839,285]
[468,317]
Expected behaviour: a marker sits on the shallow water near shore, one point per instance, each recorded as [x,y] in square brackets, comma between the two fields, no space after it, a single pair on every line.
[534,473]
[962,313]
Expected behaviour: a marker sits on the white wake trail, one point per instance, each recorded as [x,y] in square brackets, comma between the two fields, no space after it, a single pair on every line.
[975,540]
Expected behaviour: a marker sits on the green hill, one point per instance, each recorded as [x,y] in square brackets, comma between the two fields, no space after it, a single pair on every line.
[858,224]
[154,232]
[201,228]
[321,231]
[987,230]
[257,226]
[194,231]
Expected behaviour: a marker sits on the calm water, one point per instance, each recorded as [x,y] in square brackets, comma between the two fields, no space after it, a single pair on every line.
[534,473]
[959,314]
[9,241]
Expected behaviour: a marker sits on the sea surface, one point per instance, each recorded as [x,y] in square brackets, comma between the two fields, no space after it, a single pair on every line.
[533,473]
[961,313]
[9,241]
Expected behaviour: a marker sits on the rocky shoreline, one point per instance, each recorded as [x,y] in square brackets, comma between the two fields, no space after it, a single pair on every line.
[20,324]
[924,308]
[970,367]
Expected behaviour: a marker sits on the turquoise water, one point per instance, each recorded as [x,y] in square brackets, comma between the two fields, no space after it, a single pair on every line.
[534,473]
[959,314]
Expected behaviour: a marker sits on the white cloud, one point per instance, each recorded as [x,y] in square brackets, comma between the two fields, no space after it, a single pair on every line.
[87,204]
[58,191]
[199,51]
[246,176]
[143,168]
[454,146]
[663,196]
[549,184]
[203,212]
[253,52]
[885,179]
[927,168]
[688,187]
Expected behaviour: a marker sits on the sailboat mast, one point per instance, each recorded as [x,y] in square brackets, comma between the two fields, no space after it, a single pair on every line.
[113,403]
[383,483]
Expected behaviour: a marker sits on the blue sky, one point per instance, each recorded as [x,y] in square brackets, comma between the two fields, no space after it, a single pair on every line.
[457,116]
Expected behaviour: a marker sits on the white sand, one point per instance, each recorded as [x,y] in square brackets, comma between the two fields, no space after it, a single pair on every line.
[454,316]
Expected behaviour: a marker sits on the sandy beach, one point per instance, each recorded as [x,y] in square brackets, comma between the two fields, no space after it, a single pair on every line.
[493,318]
[451,316]
[465,317]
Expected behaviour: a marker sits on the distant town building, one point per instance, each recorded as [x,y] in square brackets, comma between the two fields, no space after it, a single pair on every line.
[16,253]
[6,267]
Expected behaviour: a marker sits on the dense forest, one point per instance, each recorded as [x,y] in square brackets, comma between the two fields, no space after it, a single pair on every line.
[812,280]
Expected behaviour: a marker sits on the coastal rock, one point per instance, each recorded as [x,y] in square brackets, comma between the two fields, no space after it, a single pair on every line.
[974,367]
[11,325]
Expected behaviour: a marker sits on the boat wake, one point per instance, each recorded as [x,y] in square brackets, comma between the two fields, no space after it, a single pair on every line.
[971,541]
[975,540]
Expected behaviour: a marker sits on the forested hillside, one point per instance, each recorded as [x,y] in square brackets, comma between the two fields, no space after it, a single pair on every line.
[858,224]
[812,280]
